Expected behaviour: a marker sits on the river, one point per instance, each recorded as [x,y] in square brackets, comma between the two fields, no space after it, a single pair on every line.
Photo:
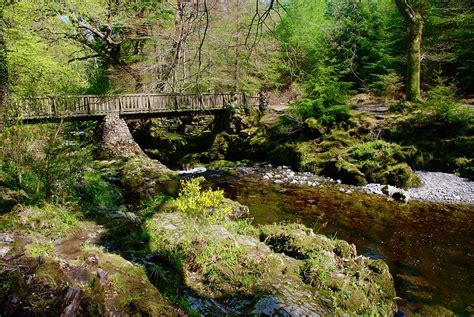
[429,247]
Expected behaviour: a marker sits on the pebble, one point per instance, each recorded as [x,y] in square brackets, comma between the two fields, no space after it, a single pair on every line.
[436,186]
[4,250]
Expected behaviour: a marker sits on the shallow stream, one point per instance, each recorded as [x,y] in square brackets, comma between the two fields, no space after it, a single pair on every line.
[429,247]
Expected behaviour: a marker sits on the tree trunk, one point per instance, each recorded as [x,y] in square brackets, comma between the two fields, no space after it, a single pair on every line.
[3,71]
[414,60]
[414,19]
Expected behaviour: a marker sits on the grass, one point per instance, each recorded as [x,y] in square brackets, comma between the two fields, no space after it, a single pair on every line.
[317,269]
[39,249]
[51,221]
[220,265]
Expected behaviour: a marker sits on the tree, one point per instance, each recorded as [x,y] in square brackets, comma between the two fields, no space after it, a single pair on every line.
[412,14]
[3,66]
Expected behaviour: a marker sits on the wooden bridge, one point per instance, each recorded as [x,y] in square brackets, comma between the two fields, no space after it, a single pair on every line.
[90,107]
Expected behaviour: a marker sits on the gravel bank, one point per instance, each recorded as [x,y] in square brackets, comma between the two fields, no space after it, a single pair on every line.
[438,187]
[443,187]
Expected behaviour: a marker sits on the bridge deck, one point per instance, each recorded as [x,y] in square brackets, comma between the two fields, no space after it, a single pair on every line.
[130,105]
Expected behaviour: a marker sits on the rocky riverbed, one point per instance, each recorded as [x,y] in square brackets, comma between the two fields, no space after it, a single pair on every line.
[436,187]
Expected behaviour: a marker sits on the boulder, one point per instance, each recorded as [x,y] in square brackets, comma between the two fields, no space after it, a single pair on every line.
[143,177]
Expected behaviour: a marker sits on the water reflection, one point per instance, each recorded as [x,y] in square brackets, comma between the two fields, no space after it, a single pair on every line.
[428,246]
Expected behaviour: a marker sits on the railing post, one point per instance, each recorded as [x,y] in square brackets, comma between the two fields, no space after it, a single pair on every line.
[120,104]
[86,100]
[53,106]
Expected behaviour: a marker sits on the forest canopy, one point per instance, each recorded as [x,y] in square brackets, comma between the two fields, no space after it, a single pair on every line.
[96,46]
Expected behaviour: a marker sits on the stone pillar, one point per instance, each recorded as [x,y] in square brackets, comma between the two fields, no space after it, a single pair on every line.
[115,139]
[263,101]
[221,121]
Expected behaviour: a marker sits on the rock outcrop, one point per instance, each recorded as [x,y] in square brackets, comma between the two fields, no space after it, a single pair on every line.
[272,270]
[115,139]
[139,175]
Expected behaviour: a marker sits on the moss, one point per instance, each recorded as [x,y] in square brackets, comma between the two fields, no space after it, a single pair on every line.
[224,163]
[146,178]
[37,287]
[214,263]
[356,162]
[348,172]
[219,262]
[354,284]
[219,147]
[50,221]
[400,175]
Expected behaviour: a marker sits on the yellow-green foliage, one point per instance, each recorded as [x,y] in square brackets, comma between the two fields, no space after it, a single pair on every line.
[208,204]
[39,249]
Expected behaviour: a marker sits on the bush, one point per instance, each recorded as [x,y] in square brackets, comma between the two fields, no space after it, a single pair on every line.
[327,116]
[440,117]
[355,162]
[41,161]
[387,86]
[97,194]
[208,204]
[441,129]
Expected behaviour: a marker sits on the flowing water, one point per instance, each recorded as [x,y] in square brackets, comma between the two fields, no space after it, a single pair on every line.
[429,247]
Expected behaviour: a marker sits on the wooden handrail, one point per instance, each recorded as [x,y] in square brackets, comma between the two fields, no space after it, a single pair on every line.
[83,106]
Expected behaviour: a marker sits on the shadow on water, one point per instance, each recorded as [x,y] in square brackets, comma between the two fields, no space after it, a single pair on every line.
[429,247]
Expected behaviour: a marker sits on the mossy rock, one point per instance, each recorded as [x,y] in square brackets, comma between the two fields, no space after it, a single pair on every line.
[238,211]
[355,285]
[340,156]
[399,175]
[127,286]
[345,171]
[285,154]
[219,146]
[143,178]
[288,265]
[219,263]
[40,288]
[9,199]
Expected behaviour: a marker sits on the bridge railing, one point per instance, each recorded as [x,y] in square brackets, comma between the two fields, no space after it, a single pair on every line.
[128,104]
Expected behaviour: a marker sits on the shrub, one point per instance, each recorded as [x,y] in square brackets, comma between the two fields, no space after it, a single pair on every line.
[440,117]
[96,193]
[387,86]
[40,161]
[327,116]
[441,129]
[209,204]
